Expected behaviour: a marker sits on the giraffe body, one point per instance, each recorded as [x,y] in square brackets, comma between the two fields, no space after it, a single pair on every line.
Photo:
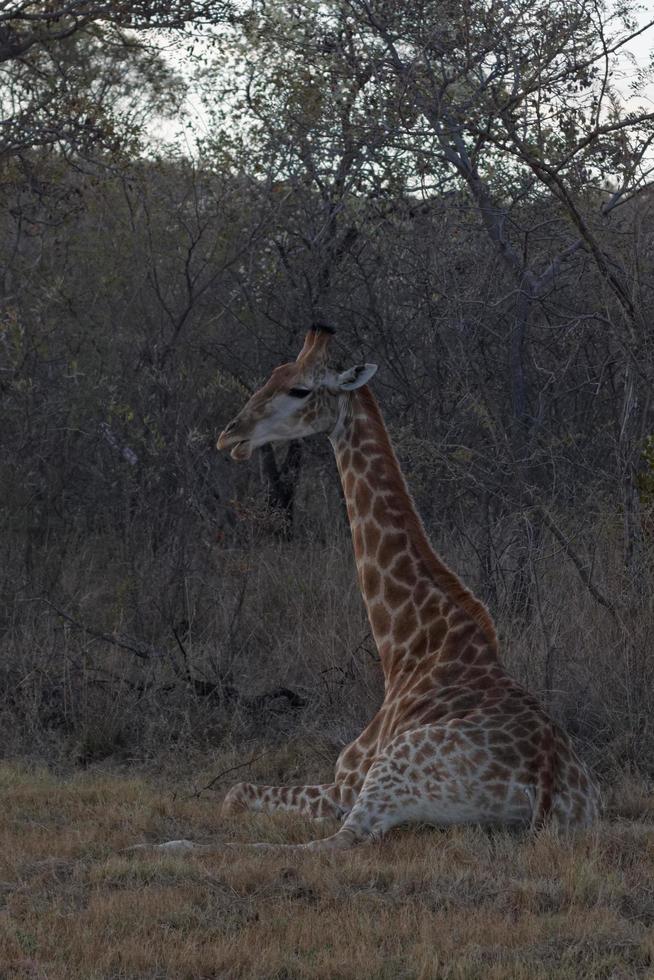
[456,739]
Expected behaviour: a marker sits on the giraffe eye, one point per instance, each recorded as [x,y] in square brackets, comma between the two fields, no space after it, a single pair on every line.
[299,392]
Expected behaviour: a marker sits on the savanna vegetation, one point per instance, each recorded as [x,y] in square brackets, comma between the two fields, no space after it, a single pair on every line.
[464,190]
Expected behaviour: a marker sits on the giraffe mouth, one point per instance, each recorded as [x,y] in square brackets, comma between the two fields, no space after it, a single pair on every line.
[241,450]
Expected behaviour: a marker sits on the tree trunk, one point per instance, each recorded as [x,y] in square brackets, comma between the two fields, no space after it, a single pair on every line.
[281,484]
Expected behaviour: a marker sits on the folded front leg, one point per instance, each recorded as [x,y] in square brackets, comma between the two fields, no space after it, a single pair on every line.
[319,802]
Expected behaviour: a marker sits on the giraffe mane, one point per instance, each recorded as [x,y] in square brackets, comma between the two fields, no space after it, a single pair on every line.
[443,576]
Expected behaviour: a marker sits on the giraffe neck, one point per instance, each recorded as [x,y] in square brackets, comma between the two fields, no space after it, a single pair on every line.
[413,599]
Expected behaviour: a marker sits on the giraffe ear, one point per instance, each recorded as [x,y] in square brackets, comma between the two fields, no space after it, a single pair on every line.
[356,377]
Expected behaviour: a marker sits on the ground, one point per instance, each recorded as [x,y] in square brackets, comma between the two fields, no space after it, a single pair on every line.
[424,903]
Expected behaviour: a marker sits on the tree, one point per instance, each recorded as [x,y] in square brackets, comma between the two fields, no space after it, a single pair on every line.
[520,102]
[84,75]
[25,25]
[311,134]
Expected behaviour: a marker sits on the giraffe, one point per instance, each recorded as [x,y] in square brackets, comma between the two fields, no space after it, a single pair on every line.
[456,739]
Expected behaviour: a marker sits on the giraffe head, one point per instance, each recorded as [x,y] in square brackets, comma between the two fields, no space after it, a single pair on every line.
[298,399]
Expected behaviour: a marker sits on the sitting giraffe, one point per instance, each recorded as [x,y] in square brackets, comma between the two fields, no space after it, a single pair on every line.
[456,740]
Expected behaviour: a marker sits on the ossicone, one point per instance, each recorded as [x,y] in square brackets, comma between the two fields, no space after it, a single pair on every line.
[316,342]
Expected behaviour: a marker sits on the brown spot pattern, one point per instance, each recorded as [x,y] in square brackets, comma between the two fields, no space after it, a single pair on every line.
[392,543]
[372,537]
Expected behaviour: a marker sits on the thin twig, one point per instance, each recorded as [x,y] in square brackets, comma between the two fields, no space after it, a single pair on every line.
[577,562]
[225,772]
[106,637]
[184,656]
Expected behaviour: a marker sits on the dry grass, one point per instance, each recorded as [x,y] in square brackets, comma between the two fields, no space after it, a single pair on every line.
[237,623]
[460,903]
